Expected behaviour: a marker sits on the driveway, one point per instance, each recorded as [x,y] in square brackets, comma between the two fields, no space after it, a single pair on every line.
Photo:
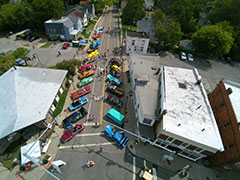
[211,70]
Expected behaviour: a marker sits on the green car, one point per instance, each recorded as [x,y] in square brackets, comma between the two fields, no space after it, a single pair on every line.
[84,82]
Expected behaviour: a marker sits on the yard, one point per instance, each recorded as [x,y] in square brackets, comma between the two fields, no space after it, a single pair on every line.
[46,45]
[60,105]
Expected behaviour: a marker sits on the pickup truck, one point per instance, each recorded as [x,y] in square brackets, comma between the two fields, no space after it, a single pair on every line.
[115,90]
[116,136]
[73,131]
[74,117]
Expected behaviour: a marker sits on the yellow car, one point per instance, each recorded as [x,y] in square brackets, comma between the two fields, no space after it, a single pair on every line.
[86,74]
[115,68]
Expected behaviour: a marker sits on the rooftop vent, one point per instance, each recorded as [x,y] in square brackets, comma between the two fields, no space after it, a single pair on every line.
[182,85]
[229,91]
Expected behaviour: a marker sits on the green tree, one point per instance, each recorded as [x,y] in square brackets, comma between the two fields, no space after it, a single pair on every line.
[133,12]
[20,53]
[167,32]
[7,62]
[213,39]
[69,66]
[42,10]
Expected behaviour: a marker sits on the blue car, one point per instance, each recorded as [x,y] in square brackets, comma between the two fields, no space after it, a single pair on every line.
[78,103]
[115,80]
[116,136]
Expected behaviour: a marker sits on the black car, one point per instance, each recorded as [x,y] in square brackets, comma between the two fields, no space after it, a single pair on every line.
[33,38]
[74,117]
[114,100]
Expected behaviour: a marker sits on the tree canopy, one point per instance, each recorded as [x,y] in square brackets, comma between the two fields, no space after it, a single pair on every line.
[214,39]
[133,12]
[167,32]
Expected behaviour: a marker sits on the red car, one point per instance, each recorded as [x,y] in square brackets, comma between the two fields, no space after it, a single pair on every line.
[85,67]
[66,45]
[97,36]
[72,132]
[81,92]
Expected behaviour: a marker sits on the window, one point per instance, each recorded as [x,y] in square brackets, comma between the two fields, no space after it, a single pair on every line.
[198,150]
[143,42]
[169,139]
[135,48]
[141,49]
[184,144]
[133,42]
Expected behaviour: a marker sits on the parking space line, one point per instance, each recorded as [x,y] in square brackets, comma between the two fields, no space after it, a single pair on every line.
[90,134]
[87,145]
[134,168]
[57,45]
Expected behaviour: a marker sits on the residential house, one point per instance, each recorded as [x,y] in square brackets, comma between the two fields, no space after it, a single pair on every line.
[174,103]
[148,4]
[145,25]
[59,28]
[84,2]
[225,103]
[27,96]
[78,27]
[136,42]
[87,8]
[81,15]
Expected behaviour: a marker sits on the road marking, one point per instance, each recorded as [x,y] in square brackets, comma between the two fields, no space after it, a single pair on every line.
[87,145]
[107,56]
[90,134]
[89,124]
[134,168]
[57,45]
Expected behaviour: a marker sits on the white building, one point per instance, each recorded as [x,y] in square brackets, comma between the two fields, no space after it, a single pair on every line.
[173,100]
[136,42]
[27,95]
[148,4]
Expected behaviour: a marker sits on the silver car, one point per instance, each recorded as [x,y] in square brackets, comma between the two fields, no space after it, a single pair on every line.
[183,56]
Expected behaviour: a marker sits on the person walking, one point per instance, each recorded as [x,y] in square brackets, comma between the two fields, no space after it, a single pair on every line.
[101,149]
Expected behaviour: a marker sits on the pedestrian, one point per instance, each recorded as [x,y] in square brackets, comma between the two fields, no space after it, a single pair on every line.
[106,60]
[101,149]
[33,46]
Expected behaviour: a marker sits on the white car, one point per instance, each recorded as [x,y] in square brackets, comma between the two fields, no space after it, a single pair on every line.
[183,56]
[190,57]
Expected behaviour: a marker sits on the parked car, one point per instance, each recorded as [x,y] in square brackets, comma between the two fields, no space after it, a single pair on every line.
[21,62]
[115,68]
[86,67]
[65,45]
[81,92]
[115,61]
[78,103]
[84,82]
[226,58]
[97,36]
[79,114]
[183,56]
[72,132]
[33,38]
[115,90]
[116,136]
[114,100]
[114,80]
[115,74]
[89,50]
[190,57]
[86,74]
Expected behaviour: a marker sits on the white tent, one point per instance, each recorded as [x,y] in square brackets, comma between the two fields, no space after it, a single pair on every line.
[57,164]
[34,152]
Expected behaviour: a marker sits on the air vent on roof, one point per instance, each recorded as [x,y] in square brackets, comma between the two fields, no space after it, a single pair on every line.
[182,85]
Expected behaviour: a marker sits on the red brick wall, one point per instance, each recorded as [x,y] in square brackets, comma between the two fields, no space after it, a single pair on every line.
[228,127]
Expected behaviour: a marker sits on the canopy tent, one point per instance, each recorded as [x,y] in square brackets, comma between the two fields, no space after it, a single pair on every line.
[57,164]
[34,152]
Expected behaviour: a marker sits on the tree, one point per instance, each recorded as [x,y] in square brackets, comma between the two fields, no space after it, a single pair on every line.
[167,32]
[7,62]
[69,66]
[100,4]
[20,53]
[214,39]
[133,12]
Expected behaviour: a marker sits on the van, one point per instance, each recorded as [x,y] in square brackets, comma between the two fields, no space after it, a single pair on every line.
[116,116]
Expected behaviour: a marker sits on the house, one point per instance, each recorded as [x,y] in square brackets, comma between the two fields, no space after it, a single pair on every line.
[145,25]
[27,96]
[174,103]
[59,28]
[77,25]
[84,2]
[148,4]
[225,103]
[87,8]
[187,45]
[81,15]
[136,42]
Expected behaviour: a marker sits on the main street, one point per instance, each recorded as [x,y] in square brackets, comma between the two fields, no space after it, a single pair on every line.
[113,162]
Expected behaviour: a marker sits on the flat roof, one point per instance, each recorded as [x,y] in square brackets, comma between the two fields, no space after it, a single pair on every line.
[234,97]
[137,34]
[189,114]
[26,95]
[146,94]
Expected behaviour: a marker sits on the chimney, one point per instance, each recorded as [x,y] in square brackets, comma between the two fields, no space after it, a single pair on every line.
[163,113]
[229,91]
[198,82]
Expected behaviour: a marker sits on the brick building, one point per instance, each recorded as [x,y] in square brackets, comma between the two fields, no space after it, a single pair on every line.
[225,103]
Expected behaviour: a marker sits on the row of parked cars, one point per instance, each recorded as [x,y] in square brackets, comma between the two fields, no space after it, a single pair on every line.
[184,56]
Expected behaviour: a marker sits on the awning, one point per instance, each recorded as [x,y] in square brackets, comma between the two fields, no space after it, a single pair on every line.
[34,152]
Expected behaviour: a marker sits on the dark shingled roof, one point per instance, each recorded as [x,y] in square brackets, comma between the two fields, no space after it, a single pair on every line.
[137,34]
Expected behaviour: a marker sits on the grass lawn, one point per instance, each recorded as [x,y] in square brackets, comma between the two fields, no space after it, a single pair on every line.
[128,27]
[85,34]
[46,45]
[60,104]
[12,152]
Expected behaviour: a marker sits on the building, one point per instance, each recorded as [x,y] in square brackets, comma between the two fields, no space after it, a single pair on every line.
[173,101]
[225,103]
[81,15]
[148,4]
[145,25]
[59,28]
[136,42]
[27,96]
[87,8]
